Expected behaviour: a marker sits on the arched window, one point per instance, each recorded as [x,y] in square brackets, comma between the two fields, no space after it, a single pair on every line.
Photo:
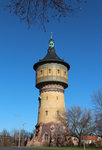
[57,97]
[49,70]
[46,137]
[57,112]
[46,97]
[41,71]
[46,113]
[58,71]
[64,72]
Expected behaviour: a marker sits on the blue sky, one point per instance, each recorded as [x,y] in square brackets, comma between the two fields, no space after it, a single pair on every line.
[78,40]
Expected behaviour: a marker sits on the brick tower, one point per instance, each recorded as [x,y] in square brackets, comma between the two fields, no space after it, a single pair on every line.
[51,80]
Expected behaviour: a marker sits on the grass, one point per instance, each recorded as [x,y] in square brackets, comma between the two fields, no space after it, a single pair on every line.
[67,148]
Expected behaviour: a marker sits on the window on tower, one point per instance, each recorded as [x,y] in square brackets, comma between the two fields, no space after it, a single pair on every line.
[46,97]
[57,97]
[46,113]
[49,70]
[46,137]
[58,71]
[57,112]
[64,72]
[41,71]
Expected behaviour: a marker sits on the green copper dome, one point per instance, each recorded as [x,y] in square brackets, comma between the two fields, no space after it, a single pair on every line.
[51,43]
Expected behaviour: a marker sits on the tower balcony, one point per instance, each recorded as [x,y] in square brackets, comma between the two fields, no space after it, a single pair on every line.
[51,79]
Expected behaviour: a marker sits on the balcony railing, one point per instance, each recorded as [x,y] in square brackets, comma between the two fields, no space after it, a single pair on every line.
[51,78]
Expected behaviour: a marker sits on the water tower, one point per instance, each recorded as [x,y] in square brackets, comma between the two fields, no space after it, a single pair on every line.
[51,80]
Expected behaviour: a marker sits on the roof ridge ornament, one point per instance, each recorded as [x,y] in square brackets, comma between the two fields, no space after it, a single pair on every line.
[51,42]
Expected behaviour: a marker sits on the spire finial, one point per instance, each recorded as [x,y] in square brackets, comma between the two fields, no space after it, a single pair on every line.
[51,42]
[51,35]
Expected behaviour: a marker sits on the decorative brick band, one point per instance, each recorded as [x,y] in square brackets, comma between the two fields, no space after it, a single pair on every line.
[51,89]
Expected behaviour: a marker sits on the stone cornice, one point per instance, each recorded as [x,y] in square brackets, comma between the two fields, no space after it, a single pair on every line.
[51,89]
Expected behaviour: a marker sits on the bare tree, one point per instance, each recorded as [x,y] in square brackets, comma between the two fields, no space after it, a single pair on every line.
[79,121]
[15,133]
[61,131]
[35,11]
[5,133]
[97,101]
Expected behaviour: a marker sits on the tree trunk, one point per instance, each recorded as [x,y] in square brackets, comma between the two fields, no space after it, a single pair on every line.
[79,144]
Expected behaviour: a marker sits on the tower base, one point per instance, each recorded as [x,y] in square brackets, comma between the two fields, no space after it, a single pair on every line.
[49,134]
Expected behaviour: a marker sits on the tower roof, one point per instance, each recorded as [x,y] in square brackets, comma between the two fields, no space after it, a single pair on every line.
[51,56]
